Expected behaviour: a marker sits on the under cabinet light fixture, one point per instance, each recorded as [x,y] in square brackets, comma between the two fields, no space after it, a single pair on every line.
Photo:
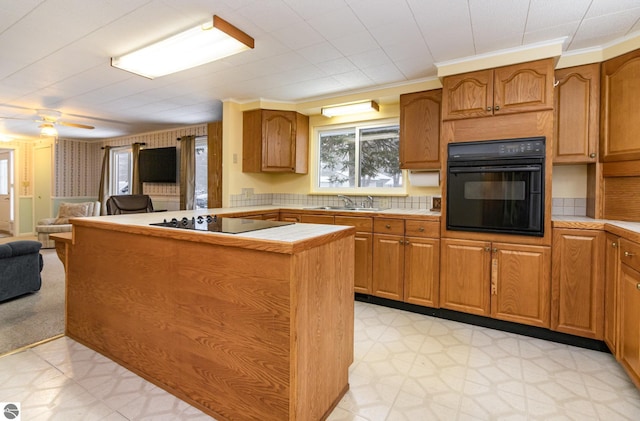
[194,47]
[353,108]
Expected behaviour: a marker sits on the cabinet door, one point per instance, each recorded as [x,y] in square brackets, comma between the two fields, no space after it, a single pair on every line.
[577,297]
[619,125]
[464,276]
[523,87]
[278,140]
[577,111]
[611,266]
[520,284]
[420,130]
[629,339]
[388,266]
[467,95]
[363,265]
[422,271]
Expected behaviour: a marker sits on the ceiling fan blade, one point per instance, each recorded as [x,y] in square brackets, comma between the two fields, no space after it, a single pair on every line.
[79,126]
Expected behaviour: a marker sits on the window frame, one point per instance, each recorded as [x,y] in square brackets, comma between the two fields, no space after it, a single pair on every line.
[315,161]
[113,181]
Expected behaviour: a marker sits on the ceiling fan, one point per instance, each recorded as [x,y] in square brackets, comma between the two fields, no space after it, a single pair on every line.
[48,119]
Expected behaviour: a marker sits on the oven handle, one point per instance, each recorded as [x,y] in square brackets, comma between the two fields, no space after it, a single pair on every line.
[459,170]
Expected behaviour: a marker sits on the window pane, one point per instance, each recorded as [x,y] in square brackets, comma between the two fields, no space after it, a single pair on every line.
[337,158]
[121,177]
[201,173]
[380,157]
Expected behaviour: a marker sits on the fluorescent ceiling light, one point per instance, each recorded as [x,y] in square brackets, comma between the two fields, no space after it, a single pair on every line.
[197,46]
[354,108]
[48,129]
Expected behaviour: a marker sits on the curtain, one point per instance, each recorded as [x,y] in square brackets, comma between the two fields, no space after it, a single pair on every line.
[136,185]
[103,190]
[187,172]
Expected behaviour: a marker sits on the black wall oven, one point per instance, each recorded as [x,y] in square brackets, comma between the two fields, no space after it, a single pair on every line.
[496,186]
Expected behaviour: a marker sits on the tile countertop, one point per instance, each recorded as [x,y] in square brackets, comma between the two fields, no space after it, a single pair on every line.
[629,230]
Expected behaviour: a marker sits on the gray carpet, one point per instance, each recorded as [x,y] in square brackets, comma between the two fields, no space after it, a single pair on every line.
[38,316]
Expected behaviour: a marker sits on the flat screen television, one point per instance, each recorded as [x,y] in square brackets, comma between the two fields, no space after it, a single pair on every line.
[158,165]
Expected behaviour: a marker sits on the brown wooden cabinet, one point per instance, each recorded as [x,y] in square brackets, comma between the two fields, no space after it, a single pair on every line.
[611,267]
[420,130]
[577,110]
[504,90]
[619,104]
[406,260]
[363,279]
[577,284]
[275,141]
[504,281]
[629,314]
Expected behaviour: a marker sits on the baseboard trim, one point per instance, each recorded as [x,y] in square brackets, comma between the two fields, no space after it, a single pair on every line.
[472,319]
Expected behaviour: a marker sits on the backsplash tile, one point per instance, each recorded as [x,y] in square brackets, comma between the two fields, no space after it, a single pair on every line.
[569,206]
[411,202]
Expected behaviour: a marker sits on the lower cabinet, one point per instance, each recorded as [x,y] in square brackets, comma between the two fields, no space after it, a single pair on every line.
[611,269]
[500,280]
[363,251]
[406,261]
[577,283]
[629,311]
[307,218]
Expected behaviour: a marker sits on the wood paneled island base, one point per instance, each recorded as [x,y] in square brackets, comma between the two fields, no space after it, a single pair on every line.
[242,329]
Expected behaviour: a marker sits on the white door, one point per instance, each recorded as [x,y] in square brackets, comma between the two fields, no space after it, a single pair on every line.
[6,191]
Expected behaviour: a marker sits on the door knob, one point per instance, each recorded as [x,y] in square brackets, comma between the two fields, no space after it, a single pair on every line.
[627,254]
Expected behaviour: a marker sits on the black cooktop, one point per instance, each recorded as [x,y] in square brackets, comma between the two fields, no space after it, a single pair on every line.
[214,223]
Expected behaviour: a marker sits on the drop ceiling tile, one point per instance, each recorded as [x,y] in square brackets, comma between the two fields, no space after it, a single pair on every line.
[552,13]
[387,73]
[320,53]
[310,9]
[337,66]
[416,68]
[355,43]
[298,35]
[339,23]
[371,58]
[270,15]
[353,80]
[606,7]
[489,36]
[606,28]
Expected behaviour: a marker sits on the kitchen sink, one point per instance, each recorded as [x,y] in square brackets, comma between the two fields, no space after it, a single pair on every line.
[347,208]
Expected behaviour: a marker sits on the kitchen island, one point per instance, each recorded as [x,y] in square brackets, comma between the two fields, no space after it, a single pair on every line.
[251,326]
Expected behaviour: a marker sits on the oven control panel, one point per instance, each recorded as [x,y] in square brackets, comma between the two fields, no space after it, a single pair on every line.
[532,147]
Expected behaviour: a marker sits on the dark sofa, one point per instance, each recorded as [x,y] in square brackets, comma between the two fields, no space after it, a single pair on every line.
[20,267]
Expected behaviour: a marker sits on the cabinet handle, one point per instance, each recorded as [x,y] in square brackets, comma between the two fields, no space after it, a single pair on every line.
[494,276]
[488,108]
[487,249]
[421,229]
[406,242]
[497,108]
[388,226]
[638,286]
[401,241]
[592,155]
[627,254]
[614,244]
[495,250]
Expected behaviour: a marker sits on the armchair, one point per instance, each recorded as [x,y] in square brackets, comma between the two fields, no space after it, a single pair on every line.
[20,267]
[129,203]
[61,223]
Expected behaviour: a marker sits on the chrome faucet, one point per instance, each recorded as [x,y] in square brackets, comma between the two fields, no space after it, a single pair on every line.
[347,201]
[368,201]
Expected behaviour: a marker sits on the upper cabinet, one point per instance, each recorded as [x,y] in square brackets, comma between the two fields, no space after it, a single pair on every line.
[504,90]
[275,141]
[577,107]
[620,101]
[420,130]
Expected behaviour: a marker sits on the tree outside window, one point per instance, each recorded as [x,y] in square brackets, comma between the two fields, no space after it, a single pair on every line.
[360,157]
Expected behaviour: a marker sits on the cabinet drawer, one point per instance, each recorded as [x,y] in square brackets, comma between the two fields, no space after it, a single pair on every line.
[317,219]
[430,229]
[388,226]
[362,224]
[630,253]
